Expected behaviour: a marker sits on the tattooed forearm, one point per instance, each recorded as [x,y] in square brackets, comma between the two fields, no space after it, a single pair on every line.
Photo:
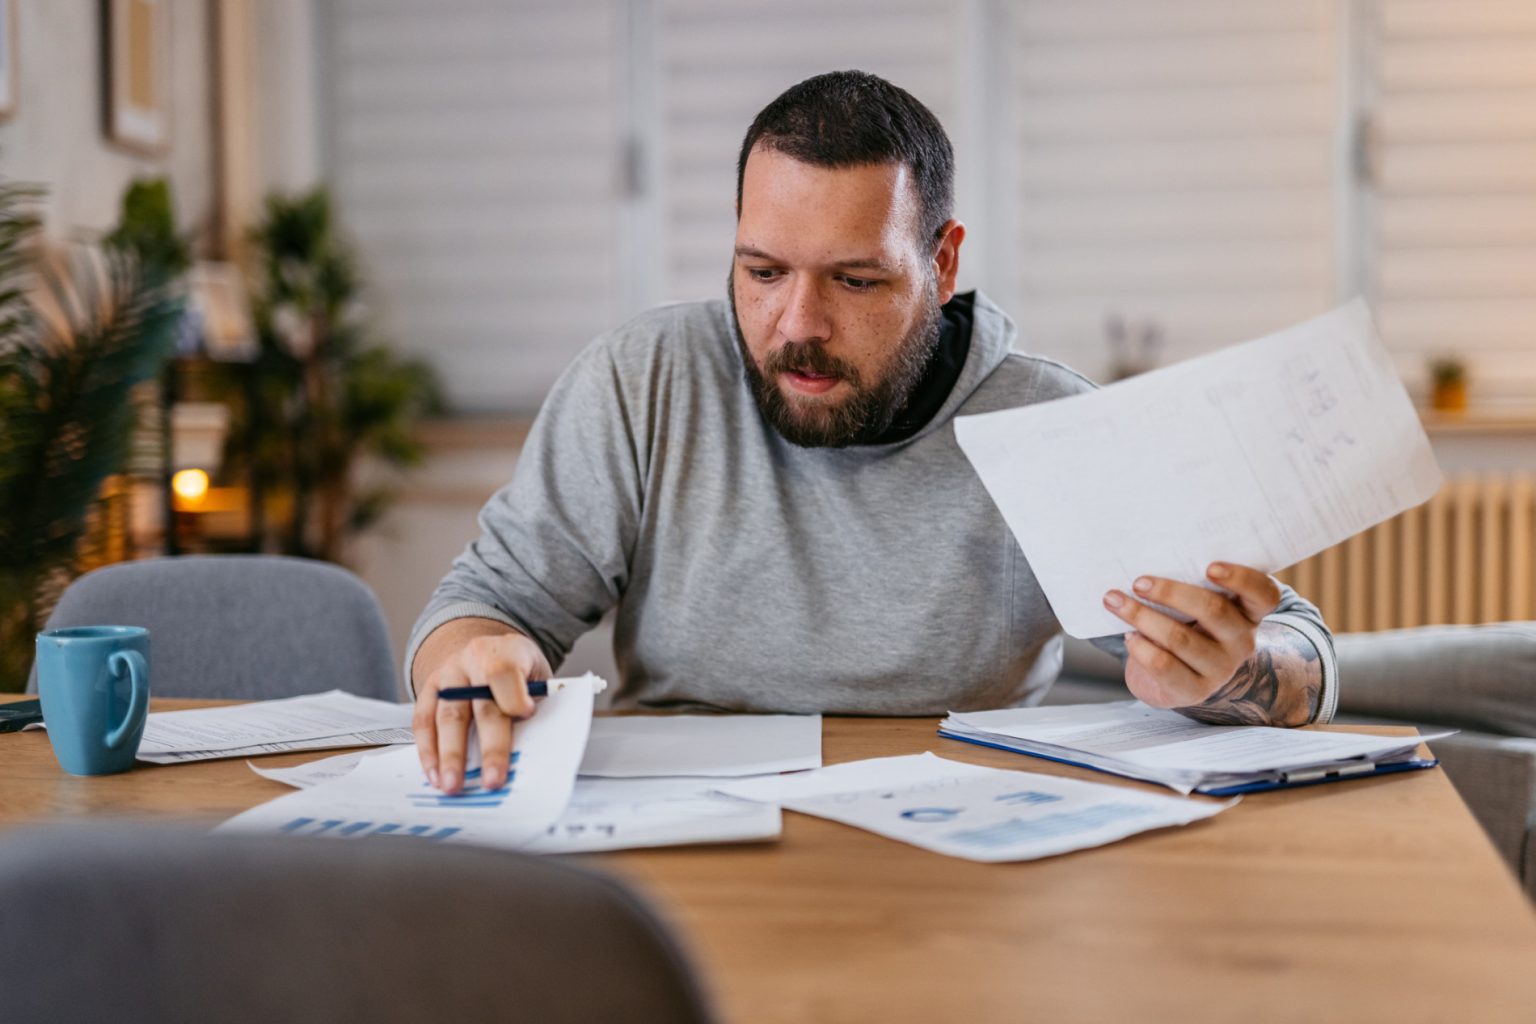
[1280,685]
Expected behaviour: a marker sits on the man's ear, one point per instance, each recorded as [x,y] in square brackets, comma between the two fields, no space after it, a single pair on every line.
[946,258]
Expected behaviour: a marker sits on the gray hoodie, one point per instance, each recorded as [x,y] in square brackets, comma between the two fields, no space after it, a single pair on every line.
[753,575]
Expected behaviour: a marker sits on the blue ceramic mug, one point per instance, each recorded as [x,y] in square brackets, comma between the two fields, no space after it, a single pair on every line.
[94,684]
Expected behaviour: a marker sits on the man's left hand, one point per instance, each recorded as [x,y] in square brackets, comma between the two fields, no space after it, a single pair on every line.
[1173,664]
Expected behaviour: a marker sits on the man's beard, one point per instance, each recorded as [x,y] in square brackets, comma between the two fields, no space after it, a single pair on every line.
[860,418]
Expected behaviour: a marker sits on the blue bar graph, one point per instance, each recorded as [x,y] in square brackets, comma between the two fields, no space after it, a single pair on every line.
[350,829]
[1026,796]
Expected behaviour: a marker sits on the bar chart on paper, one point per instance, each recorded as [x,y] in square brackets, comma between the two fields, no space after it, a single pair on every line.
[386,796]
[342,828]
[473,796]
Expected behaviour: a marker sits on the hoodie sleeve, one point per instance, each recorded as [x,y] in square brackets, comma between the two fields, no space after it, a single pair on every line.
[555,543]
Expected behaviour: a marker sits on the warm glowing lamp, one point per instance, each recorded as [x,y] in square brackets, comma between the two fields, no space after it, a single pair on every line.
[190,485]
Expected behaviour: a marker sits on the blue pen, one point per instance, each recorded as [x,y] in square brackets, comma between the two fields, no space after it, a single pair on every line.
[536,688]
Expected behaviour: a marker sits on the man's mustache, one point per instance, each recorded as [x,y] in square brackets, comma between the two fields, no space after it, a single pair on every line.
[808,358]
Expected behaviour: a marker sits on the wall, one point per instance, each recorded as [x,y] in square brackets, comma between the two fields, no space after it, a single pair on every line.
[56,138]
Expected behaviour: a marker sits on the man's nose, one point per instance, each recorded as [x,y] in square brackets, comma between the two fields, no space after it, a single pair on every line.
[805,315]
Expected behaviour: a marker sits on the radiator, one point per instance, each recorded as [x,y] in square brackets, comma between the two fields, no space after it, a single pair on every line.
[1464,556]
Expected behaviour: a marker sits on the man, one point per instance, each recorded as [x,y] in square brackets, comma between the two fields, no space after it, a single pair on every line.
[770,492]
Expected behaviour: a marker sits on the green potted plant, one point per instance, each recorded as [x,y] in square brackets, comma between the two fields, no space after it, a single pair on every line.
[326,394]
[77,335]
[1448,376]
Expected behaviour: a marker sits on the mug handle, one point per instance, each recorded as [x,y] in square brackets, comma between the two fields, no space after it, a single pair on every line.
[138,702]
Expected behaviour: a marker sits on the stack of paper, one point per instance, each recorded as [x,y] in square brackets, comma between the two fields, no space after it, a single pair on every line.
[387,794]
[650,783]
[1156,745]
[635,746]
[964,810]
[316,722]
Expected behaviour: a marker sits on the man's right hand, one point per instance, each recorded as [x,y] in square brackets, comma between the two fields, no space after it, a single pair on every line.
[472,652]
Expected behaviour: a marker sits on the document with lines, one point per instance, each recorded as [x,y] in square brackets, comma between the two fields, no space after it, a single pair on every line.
[964,810]
[311,722]
[1158,745]
[387,794]
[1262,454]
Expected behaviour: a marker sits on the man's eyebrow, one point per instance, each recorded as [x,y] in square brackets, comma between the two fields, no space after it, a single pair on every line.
[850,264]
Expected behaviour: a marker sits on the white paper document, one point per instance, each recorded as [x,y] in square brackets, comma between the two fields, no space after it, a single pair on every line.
[607,814]
[1158,745]
[622,814]
[1261,454]
[312,722]
[387,795]
[313,773]
[981,814]
[631,746]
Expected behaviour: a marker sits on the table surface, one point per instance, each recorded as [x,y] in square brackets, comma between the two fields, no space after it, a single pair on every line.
[1375,899]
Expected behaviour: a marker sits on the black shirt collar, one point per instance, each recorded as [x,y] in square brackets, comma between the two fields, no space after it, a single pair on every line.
[957,318]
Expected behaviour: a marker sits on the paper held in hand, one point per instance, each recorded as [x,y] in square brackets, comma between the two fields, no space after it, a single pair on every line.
[1262,454]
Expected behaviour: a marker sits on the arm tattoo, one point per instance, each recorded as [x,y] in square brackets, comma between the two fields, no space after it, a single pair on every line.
[1280,685]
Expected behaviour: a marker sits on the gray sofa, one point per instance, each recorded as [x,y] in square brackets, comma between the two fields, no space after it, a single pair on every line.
[1479,679]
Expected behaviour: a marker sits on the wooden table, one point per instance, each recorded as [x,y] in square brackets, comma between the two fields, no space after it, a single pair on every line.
[1376,899]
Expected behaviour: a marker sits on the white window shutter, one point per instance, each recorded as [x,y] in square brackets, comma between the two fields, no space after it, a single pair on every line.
[1173,164]
[720,63]
[1454,175]
[476,155]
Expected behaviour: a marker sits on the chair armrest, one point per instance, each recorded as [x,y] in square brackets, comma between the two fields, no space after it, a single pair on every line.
[1496,776]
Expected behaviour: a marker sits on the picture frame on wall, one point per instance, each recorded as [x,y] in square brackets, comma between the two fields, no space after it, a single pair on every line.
[136,34]
[9,78]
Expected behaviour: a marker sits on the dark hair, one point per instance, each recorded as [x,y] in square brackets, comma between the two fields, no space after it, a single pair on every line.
[851,118]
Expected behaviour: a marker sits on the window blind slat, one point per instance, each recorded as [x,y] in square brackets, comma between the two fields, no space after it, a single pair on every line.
[1173,163]
[476,159]
[1454,154]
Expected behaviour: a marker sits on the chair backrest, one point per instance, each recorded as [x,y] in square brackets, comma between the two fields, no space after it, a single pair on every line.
[249,627]
[138,923]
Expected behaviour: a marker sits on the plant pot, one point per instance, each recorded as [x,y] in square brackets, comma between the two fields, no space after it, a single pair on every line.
[1450,396]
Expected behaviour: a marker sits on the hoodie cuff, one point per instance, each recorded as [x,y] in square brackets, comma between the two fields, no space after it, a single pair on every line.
[458,610]
[1328,697]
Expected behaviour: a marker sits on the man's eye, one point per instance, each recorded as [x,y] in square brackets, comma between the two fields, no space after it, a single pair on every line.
[860,284]
[761,273]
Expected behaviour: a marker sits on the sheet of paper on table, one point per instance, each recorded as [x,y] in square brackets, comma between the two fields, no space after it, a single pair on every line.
[980,814]
[387,795]
[607,813]
[632,746]
[312,722]
[629,813]
[1157,745]
[1262,454]
[313,773]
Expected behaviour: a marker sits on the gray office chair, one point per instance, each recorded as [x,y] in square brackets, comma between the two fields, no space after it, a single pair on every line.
[248,627]
[134,923]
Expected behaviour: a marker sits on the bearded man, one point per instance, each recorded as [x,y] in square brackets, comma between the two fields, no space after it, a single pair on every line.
[768,491]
